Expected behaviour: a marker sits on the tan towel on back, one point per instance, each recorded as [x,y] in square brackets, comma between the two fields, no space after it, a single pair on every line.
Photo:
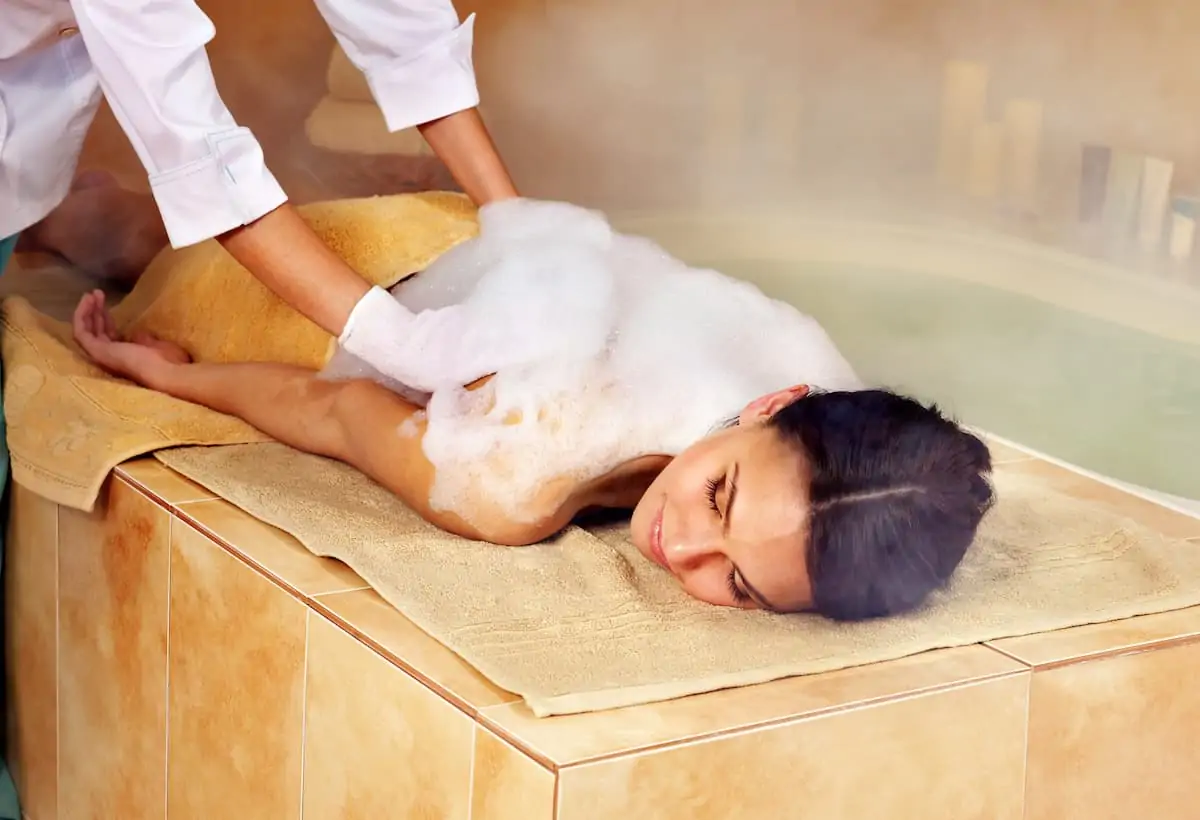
[70,423]
[579,624]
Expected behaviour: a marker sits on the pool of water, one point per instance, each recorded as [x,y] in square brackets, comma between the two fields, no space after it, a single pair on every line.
[1100,395]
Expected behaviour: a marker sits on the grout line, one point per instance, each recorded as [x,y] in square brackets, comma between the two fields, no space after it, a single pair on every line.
[363,588]
[308,613]
[475,730]
[238,555]
[1025,757]
[171,522]
[185,502]
[162,499]
[271,575]
[789,720]
[380,650]
[1009,655]
[1120,652]
[57,658]
[1147,645]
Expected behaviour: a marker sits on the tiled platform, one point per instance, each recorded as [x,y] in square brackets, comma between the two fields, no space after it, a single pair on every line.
[170,656]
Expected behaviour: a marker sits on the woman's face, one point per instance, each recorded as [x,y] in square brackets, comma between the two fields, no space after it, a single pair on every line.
[728,517]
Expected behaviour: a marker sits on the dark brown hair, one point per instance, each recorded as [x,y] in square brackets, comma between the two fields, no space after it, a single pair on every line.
[896,494]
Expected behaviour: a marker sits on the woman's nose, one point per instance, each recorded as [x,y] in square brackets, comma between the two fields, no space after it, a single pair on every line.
[686,554]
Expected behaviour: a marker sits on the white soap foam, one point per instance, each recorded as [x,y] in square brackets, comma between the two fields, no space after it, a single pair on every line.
[606,349]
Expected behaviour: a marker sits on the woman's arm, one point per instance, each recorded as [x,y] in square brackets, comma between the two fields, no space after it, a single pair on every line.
[356,422]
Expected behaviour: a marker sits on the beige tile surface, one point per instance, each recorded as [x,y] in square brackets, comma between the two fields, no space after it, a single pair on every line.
[113,566]
[378,743]
[1099,639]
[31,635]
[236,687]
[1116,738]
[574,738]
[274,551]
[381,625]
[161,481]
[1168,522]
[506,784]
[957,754]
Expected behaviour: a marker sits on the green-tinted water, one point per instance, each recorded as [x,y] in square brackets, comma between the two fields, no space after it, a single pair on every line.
[1103,396]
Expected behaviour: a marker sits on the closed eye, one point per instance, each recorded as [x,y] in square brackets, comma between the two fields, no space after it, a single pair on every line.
[711,487]
[738,593]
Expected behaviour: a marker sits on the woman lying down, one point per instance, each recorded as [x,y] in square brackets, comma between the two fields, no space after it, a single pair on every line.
[557,367]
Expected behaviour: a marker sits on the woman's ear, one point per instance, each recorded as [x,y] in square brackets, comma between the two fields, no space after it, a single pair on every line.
[766,406]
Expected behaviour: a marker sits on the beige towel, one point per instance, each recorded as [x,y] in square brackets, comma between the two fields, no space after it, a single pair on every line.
[69,423]
[586,623]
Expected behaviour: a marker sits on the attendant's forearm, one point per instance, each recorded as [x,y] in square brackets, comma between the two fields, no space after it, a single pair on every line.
[463,144]
[283,253]
[287,403]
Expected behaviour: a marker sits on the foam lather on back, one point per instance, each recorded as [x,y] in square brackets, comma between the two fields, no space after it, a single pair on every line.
[603,348]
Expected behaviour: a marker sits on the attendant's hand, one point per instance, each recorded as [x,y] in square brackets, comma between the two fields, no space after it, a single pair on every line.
[142,358]
[391,339]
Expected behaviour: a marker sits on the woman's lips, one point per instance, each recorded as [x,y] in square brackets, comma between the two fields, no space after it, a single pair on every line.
[656,539]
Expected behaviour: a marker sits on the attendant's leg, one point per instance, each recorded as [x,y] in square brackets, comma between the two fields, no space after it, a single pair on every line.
[102,229]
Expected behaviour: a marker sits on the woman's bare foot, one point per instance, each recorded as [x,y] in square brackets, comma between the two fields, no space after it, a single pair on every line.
[102,229]
[141,358]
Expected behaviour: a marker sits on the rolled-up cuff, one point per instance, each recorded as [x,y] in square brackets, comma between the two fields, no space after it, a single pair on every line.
[436,83]
[227,189]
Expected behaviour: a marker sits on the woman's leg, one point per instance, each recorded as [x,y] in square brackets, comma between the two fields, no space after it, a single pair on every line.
[102,229]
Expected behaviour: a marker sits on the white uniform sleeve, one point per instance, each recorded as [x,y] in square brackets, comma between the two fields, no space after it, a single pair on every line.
[208,174]
[414,53]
